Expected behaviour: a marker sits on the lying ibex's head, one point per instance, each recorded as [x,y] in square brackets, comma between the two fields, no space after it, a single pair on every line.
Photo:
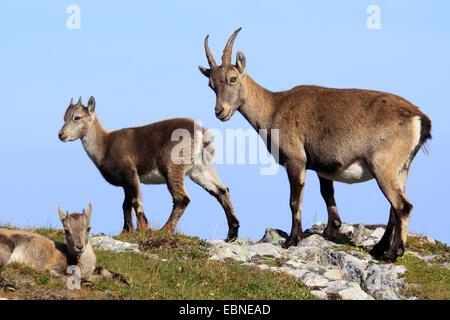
[226,80]
[76,227]
[77,120]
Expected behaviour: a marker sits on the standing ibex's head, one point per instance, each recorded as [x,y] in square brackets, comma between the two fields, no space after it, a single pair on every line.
[77,120]
[226,80]
[76,227]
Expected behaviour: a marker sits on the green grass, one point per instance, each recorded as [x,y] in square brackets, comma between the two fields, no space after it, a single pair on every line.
[424,281]
[187,274]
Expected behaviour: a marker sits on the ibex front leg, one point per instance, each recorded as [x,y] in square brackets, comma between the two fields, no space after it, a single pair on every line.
[133,200]
[334,221]
[296,173]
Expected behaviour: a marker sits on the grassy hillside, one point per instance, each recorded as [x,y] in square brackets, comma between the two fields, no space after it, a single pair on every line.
[184,273]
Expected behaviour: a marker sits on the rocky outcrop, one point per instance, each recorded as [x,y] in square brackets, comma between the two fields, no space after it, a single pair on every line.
[107,243]
[329,269]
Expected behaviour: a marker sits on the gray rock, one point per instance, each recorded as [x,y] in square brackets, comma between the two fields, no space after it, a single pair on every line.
[312,279]
[222,251]
[316,228]
[108,243]
[334,274]
[378,233]
[383,281]
[347,290]
[274,236]
[152,256]
[354,292]
[347,229]
[359,233]
[265,250]
[319,294]
[244,241]
[353,268]
[315,240]
[326,267]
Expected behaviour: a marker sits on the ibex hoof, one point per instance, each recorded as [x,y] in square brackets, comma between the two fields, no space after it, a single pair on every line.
[8,285]
[142,228]
[291,242]
[378,251]
[126,231]
[331,232]
[167,229]
[390,257]
[231,239]
[87,284]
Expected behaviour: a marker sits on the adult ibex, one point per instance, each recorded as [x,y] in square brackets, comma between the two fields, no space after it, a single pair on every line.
[346,135]
[55,257]
[152,155]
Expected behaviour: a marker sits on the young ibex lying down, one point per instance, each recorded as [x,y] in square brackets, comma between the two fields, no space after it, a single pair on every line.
[149,154]
[55,257]
[346,135]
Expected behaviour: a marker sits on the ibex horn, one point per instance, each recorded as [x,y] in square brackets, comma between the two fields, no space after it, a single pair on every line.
[79,102]
[226,57]
[212,63]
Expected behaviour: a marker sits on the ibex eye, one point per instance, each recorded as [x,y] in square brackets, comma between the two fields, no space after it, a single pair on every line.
[233,79]
[77,118]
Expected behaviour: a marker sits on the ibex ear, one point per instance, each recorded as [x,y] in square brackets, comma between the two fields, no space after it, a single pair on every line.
[240,61]
[204,71]
[88,211]
[91,104]
[62,215]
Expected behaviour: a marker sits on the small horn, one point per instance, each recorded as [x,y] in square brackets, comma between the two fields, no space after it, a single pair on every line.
[71,101]
[209,56]
[226,56]
[79,102]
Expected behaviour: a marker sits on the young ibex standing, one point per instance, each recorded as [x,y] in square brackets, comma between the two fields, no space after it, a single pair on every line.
[55,257]
[346,135]
[152,155]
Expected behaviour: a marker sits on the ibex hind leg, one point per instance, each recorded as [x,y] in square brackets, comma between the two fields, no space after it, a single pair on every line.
[393,185]
[5,255]
[384,244]
[206,177]
[175,184]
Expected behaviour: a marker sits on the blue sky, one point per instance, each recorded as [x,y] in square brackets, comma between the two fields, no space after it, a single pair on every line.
[139,59]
